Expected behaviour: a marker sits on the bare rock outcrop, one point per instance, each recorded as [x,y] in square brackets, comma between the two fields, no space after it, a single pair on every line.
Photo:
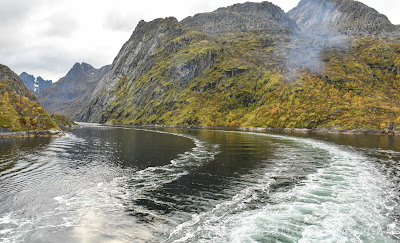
[348,17]
[242,18]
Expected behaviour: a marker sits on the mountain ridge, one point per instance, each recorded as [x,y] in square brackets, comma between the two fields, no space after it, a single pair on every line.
[242,18]
[72,92]
[173,74]
[345,16]
[37,84]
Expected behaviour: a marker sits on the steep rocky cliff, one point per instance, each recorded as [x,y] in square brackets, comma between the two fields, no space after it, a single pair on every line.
[19,109]
[72,93]
[137,57]
[346,16]
[36,85]
[230,68]
[164,56]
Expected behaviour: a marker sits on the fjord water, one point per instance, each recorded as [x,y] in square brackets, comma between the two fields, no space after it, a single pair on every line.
[110,184]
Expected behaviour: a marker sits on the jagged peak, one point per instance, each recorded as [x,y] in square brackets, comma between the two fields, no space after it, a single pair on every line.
[25,73]
[346,16]
[166,20]
[26,77]
[80,68]
[40,79]
[86,65]
[76,65]
[82,65]
[143,27]
[242,17]
[252,7]
[82,71]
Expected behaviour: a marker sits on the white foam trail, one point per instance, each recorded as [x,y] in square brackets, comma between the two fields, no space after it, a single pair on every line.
[343,201]
[86,124]
[99,204]
[105,202]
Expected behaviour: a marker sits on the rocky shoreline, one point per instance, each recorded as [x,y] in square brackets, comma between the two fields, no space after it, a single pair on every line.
[266,129]
[27,134]
[326,130]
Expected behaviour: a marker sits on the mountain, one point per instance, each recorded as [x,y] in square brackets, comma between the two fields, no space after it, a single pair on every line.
[152,43]
[250,65]
[19,109]
[345,16]
[36,85]
[242,18]
[71,93]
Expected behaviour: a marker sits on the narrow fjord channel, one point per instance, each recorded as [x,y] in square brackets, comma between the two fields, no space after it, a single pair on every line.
[113,184]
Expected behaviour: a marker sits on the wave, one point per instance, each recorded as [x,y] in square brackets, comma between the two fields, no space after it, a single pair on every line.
[112,200]
[345,199]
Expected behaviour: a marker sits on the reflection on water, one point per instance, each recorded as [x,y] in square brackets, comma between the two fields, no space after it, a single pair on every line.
[105,184]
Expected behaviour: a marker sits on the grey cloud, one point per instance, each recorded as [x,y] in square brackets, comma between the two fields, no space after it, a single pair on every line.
[199,7]
[13,15]
[47,62]
[11,37]
[122,22]
[16,50]
[60,25]
[14,11]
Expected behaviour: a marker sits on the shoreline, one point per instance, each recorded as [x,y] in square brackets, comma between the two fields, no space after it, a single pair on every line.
[30,134]
[386,132]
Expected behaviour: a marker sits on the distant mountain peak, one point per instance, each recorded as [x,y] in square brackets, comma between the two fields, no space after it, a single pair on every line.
[24,73]
[70,93]
[76,65]
[79,70]
[348,17]
[37,84]
[82,65]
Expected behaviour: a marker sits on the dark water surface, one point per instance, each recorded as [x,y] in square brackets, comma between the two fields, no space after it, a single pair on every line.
[109,184]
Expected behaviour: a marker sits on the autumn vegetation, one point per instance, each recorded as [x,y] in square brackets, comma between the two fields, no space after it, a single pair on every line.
[247,84]
[19,109]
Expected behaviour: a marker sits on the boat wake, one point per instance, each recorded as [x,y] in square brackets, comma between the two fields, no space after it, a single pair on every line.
[345,199]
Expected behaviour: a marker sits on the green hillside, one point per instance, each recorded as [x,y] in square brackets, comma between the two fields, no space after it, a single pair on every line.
[274,75]
[247,86]
[19,109]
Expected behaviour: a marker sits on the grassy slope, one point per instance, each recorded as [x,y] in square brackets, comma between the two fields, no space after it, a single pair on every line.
[63,121]
[19,109]
[245,86]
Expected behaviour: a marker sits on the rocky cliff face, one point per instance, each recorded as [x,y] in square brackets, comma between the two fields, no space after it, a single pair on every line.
[164,54]
[71,93]
[345,16]
[243,18]
[149,41]
[19,109]
[229,68]
[36,85]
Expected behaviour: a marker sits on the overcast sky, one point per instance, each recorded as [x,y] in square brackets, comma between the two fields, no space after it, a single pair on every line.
[46,37]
